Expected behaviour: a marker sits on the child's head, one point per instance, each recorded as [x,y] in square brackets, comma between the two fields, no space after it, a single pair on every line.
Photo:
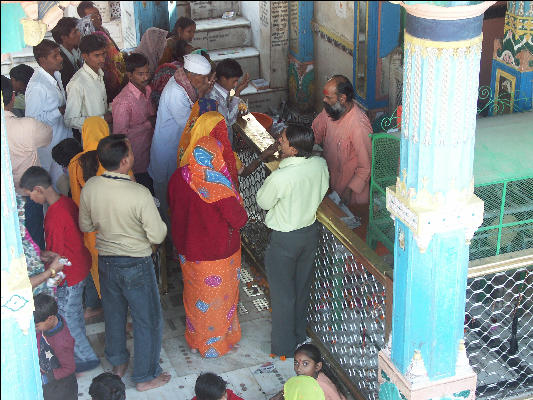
[35,182]
[228,73]
[45,314]
[66,32]
[93,51]
[65,150]
[210,386]
[307,360]
[137,69]
[107,386]
[184,29]
[48,55]
[20,76]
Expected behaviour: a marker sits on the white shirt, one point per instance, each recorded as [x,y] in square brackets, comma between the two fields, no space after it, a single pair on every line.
[86,97]
[230,111]
[172,115]
[44,95]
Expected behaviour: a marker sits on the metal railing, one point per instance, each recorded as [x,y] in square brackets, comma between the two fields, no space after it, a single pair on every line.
[350,308]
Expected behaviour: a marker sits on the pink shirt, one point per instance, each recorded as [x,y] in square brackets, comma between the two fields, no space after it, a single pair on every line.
[347,150]
[330,390]
[131,109]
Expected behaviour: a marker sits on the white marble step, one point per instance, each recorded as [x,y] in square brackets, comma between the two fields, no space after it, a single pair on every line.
[247,57]
[212,9]
[218,33]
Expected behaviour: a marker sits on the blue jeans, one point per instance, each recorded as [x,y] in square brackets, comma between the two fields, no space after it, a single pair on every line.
[130,281]
[69,302]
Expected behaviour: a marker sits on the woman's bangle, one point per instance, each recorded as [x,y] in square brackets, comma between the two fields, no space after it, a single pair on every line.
[53,272]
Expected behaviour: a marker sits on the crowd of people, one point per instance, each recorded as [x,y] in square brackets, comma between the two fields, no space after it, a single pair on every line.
[114,154]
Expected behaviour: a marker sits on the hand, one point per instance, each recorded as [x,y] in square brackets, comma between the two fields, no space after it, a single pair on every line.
[55,264]
[206,88]
[62,109]
[47,256]
[108,116]
[346,196]
[269,151]
[243,84]
[152,120]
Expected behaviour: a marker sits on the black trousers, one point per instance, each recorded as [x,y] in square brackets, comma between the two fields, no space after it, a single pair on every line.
[289,261]
[62,389]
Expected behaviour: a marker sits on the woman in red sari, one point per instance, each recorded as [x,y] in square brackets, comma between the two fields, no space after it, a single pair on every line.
[206,214]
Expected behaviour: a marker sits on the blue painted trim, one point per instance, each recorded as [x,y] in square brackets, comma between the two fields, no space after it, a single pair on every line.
[305,51]
[390,28]
[449,31]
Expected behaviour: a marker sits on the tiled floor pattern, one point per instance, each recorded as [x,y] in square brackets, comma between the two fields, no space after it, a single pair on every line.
[249,370]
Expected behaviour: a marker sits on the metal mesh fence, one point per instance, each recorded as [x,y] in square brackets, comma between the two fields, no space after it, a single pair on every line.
[499,332]
[347,312]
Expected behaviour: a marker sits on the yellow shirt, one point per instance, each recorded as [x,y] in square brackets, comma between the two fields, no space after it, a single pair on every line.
[293,192]
[124,214]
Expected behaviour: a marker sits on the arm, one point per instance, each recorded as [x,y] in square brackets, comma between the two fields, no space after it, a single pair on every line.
[319,127]
[232,211]
[37,106]
[36,280]
[64,351]
[268,194]
[41,134]
[153,225]
[84,215]
[361,144]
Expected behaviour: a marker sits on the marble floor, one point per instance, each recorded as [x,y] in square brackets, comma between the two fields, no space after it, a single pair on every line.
[249,370]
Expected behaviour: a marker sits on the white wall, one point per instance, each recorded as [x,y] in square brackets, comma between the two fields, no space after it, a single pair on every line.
[250,11]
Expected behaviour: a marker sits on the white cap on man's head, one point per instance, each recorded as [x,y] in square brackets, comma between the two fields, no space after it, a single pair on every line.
[197,64]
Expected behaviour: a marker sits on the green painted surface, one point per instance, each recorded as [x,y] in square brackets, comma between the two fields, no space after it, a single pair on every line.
[504,148]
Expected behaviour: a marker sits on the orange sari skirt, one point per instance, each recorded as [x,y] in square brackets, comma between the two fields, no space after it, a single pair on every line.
[210,297]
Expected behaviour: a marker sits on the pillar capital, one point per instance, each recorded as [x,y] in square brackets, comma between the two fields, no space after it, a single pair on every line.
[445,10]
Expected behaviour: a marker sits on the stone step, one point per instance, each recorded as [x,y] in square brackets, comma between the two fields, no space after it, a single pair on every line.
[247,57]
[264,100]
[212,9]
[218,33]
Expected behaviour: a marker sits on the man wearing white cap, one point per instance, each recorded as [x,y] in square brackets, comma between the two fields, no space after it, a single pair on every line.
[180,93]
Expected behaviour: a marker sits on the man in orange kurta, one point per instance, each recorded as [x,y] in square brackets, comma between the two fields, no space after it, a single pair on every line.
[343,129]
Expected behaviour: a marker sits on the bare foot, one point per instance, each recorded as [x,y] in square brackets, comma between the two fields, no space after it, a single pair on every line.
[121,369]
[92,312]
[194,351]
[154,383]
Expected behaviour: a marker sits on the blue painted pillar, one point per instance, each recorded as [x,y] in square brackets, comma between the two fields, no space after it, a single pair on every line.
[436,212]
[21,377]
[301,55]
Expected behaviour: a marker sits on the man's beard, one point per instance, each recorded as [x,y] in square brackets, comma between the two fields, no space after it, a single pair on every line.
[335,111]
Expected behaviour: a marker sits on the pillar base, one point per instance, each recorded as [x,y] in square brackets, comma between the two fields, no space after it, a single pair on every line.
[394,385]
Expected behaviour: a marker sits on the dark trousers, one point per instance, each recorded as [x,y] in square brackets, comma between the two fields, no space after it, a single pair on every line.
[146,180]
[90,294]
[34,221]
[289,261]
[64,389]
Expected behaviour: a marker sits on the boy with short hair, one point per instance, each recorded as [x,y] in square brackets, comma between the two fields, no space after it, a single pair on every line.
[134,115]
[63,236]
[55,347]
[67,35]
[20,76]
[210,386]
[107,386]
[86,91]
[228,73]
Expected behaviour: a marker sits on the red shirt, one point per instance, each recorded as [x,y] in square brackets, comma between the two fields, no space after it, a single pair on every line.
[63,236]
[203,231]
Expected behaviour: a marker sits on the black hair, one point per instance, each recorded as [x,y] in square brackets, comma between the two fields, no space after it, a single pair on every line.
[22,73]
[35,176]
[180,49]
[89,164]
[228,68]
[83,6]
[344,86]
[7,90]
[111,151]
[301,138]
[91,43]
[311,351]
[209,386]
[63,28]
[65,150]
[135,60]
[43,49]
[45,306]
[182,22]
[107,386]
